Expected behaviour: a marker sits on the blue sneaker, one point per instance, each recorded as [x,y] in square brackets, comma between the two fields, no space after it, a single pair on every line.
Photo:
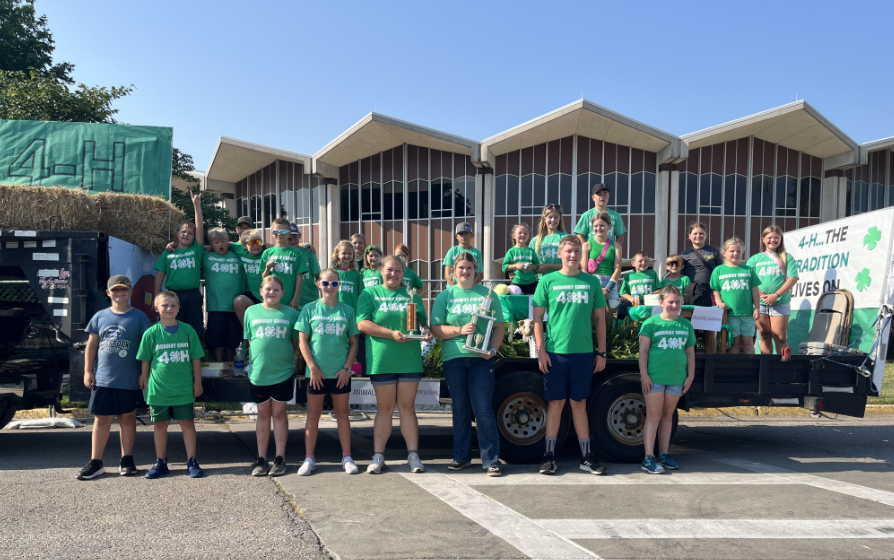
[651,466]
[192,466]
[159,469]
[665,461]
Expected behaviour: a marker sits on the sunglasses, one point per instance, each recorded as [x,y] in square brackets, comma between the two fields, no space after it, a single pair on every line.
[254,242]
[674,263]
[553,206]
[282,232]
[327,283]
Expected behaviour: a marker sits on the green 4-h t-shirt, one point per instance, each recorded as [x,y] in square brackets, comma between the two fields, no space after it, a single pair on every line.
[371,278]
[549,250]
[272,354]
[388,308]
[330,330]
[640,283]
[224,280]
[667,350]
[289,265]
[680,283]
[734,284]
[569,302]
[454,307]
[170,357]
[309,290]
[350,287]
[182,268]
[456,251]
[585,224]
[517,255]
[410,279]
[253,267]
[770,273]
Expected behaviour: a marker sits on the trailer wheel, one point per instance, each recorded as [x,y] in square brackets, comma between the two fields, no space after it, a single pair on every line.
[520,410]
[617,415]
[6,415]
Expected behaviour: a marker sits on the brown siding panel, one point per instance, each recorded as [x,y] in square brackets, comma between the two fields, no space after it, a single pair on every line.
[610,163]
[634,235]
[540,159]
[583,154]
[623,159]
[514,162]
[596,164]
[567,165]
[742,157]
[649,234]
[501,164]
[638,161]
[527,160]
[651,162]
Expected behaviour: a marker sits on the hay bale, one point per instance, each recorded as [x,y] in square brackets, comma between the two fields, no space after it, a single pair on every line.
[145,221]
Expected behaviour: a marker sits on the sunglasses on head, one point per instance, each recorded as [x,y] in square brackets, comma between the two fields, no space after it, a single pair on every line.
[282,232]
[254,242]
[553,206]
[327,283]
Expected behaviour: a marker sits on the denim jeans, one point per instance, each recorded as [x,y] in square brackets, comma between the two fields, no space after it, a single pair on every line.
[471,383]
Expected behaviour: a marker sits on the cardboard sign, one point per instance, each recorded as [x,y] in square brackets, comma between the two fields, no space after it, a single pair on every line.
[707,318]
[362,392]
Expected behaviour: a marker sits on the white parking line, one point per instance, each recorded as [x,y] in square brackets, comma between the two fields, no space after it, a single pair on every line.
[847,488]
[639,478]
[720,528]
[519,531]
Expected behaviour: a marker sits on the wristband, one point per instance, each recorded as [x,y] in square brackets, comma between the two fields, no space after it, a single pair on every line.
[610,285]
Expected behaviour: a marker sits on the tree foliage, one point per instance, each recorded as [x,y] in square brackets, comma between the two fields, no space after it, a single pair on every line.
[213,212]
[26,42]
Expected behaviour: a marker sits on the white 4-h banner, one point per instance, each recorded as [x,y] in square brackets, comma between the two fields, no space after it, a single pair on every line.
[853,254]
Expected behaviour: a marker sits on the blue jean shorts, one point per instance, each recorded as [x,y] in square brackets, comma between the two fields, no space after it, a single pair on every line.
[778,310]
[675,390]
[392,378]
[741,325]
[614,298]
[569,377]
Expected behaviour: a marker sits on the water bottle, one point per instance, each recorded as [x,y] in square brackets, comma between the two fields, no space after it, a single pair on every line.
[239,362]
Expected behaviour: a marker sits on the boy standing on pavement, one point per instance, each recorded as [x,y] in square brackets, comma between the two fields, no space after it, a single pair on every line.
[583,229]
[465,238]
[574,303]
[286,263]
[172,378]
[115,335]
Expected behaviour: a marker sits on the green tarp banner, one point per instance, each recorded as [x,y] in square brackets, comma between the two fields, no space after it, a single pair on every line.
[97,157]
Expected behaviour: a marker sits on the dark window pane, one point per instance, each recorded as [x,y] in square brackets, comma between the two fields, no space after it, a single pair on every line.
[681,194]
[470,197]
[691,193]
[388,214]
[704,194]
[890,196]
[447,194]
[512,195]
[365,200]
[816,196]
[716,189]
[791,198]
[620,195]
[552,189]
[583,194]
[527,190]
[376,198]
[729,194]
[649,192]
[398,201]
[804,201]
[565,193]
[636,193]
[344,203]
[756,195]
[500,196]
[780,194]
[848,200]
[539,191]
[767,196]
[424,207]
[436,195]
[741,194]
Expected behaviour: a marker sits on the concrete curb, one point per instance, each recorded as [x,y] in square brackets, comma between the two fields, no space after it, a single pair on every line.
[778,411]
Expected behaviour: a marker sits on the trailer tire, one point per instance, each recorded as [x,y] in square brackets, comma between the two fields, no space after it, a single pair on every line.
[520,410]
[6,415]
[617,413]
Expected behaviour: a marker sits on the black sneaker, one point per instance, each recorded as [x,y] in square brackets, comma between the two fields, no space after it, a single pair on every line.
[589,464]
[127,466]
[548,465]
[260,467]
[278,468]
[91,470]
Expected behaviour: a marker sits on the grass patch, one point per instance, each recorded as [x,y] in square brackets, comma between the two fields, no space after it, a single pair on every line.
[68,404]
[887,396]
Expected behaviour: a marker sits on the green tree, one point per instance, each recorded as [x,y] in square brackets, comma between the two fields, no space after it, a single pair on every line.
[213,212]
[26,42]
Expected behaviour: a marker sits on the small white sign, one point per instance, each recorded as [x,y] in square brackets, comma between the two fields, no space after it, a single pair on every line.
[29,244]
[60,312]
[12,244]
[707,318]
[362,392]
[48,273]
[48,243]
[46,256]
[63,300]
[25,233]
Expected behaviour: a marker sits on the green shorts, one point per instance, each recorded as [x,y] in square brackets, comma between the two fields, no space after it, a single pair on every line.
[741,325]
[176,412]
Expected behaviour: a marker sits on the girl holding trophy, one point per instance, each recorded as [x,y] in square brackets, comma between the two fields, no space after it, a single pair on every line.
[394,322]
[469,321]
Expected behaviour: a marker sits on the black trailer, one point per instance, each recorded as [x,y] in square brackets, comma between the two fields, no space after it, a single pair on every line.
[42,325]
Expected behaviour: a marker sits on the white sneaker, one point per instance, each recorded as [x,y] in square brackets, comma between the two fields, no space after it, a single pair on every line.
[348,464]
[414,463]
[377,463]
[307,467]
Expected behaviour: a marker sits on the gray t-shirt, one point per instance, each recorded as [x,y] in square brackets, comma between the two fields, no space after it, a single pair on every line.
[117,366]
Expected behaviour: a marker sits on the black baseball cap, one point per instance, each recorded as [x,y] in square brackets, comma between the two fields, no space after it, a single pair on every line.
[295,229]
[118,281]
[244,220]
[600,187]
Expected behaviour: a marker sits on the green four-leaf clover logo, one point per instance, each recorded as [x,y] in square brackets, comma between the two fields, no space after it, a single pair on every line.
[872,237]
[863,280]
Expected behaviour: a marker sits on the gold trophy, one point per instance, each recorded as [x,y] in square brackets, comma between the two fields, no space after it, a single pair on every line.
[413,330]
[477,342]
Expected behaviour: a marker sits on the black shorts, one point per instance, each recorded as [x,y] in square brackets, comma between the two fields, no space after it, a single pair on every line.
[191,312]
[108,401]
[252,297]
[329,386]
[281,392]
[528,289]
[224,330]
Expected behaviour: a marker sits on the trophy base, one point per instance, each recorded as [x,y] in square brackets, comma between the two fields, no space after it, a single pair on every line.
[477,350]
[412,336]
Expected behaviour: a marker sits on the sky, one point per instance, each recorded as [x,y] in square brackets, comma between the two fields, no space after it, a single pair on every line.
[295,75]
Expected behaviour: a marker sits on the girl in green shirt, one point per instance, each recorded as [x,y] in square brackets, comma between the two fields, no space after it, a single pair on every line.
[675,276]
[608,269]
[351,281]
[251,265]
[410,279]
[666,369]
[372,271]
[522,261]
[383,314]
[550,232]
[778,273]
[735,286]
